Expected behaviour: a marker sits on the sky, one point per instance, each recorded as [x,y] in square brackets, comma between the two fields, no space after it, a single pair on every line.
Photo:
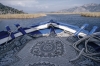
[32,6]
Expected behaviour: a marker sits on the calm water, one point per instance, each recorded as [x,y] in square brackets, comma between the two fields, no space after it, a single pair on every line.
[70,19]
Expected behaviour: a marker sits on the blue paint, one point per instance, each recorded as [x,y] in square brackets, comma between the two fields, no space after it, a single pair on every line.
[20,29]
[35,32]
[10,32]
[3,34]
[45,31]
[93,30]
[82,28]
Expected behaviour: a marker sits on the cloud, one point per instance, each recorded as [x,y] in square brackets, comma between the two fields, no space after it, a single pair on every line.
[26,5]
[21,3]
[42,6]
[76,5]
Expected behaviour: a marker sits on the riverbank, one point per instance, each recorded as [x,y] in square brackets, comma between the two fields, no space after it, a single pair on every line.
[14,16]
[90,14]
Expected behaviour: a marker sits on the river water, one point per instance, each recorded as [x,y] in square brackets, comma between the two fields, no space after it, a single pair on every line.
[77,20]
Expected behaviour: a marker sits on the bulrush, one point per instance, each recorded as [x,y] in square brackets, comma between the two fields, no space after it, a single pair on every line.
[91,14]
[14,16]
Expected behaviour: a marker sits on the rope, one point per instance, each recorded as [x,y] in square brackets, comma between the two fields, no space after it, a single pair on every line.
[8,37]
[10,33]
[59,36]
[78,55]
[86,52]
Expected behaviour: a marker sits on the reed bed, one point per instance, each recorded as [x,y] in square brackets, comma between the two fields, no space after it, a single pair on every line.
[15,16]
[91,14]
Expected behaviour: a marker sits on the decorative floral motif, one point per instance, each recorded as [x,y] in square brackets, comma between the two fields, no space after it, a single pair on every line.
[42,64]
[48,48]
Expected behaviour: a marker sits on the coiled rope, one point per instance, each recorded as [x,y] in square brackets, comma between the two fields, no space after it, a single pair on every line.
[92,55]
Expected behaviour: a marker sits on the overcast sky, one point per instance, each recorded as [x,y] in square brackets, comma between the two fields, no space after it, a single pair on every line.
[32,6]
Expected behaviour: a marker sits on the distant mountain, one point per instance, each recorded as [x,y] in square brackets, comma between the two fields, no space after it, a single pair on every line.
[9,10]
[85,8]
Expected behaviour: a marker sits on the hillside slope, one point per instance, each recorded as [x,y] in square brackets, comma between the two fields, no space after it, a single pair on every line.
[84,8]
[9,10]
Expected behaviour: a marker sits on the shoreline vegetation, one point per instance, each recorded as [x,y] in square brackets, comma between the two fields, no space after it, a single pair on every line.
[20,16]
[25,16]
[91,14]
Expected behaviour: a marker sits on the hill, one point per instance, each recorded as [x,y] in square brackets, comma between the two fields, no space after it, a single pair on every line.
[84,8]
[9,10]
